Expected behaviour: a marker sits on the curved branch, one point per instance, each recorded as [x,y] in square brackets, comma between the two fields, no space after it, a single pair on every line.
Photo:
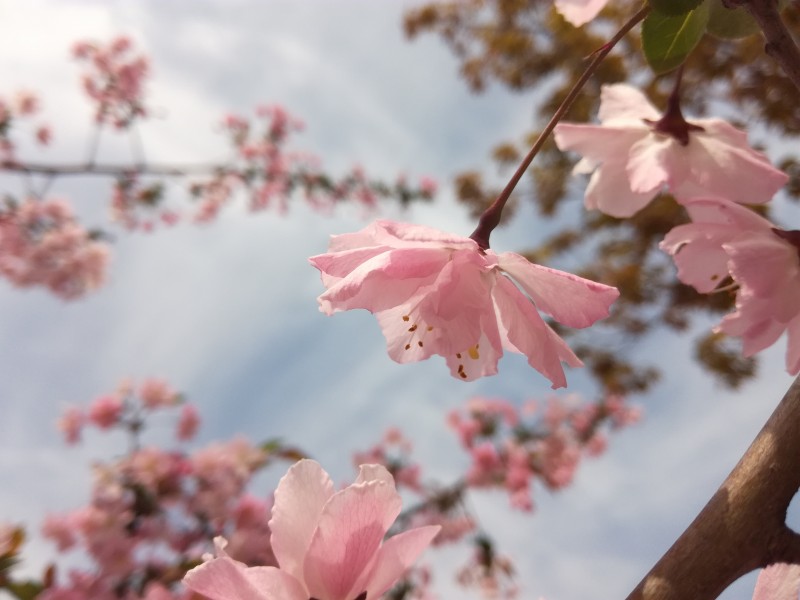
[743,526]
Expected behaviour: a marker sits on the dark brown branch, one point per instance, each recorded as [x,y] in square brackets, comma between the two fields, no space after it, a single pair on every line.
[112,170]
[780,43]
[743,526]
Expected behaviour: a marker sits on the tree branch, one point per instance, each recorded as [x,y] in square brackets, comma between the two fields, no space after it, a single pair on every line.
[743,526]
[780,43]
[90,168]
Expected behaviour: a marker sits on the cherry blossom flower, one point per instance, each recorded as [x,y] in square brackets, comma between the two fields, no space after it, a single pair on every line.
[725,238]
[438,293]
[579,12]
[778,582]
[632,160]
[328,544]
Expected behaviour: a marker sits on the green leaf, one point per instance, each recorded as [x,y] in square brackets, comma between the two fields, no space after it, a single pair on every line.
[674,7]
[668,40]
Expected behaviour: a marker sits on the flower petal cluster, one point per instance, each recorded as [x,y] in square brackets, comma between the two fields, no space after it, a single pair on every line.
[726,238]
[329,545]
[631,162]
[438,293]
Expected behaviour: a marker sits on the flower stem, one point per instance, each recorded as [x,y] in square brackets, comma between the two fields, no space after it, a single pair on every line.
[491,216]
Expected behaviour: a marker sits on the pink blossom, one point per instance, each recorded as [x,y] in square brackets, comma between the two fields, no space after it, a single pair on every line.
[437,293]
[70,424]
[579,12]
[106,411]
[631,163]
[778,582]
[61,529]
[725,238]
[328,544]
[44,135]
[188,423]
[157,393]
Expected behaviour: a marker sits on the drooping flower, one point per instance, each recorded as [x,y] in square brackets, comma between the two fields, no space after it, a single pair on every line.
[579,12]
[329,545]
[724,239]
[631,159]
[438,293]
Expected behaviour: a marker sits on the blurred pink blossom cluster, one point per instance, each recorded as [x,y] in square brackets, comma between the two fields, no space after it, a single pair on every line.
[127,408]
[41,244]
[139,206]
[511,449]
[268,174]
[114,80]
[393,452]
[489,572]
[154,512]
[23,105]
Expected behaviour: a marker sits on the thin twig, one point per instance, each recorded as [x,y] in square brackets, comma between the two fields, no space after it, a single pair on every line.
[491,216]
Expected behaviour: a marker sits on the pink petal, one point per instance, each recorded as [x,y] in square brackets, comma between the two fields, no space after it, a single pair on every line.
[367,473]
[598,143]
[609,191]
[697,251]
[753,322]
[525,332]
[654,162]
[396,555]
[579,12]
[571,300]
[299,501]
[335,266]
[725,212]
[778,582]
[347,538]
[623,102]
[226,579]
[481,359]
[385,280]
[767,267]
[724,165]
[793,347]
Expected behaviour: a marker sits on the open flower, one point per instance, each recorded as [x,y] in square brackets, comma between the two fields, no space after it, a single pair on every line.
[728,239]
[438,293]
[329,545]
[631,160]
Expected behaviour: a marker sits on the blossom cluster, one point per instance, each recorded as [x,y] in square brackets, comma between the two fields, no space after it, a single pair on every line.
[114,80]
[511,448]
[41,244]
[23,105]
[269,174]
[708,167]
[153,512]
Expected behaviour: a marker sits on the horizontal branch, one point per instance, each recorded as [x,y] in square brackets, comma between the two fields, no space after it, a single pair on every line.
[743,526]
[107,170]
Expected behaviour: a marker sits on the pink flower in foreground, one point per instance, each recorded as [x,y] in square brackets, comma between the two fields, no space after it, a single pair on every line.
[579,12]
[438,293]
[725,238]
[329,545]
[778,582]
[106,411]
[70,424]
[631,162]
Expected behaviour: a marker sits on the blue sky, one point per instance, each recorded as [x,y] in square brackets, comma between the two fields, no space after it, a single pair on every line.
[228,312]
